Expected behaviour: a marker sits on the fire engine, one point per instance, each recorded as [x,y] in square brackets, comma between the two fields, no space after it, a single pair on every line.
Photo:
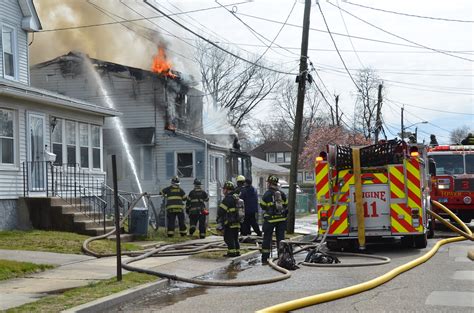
[373,192]
[453,184]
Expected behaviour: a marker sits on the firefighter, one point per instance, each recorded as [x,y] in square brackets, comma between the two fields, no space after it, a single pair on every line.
[228,220]
[240,184]
[175,199]
[274,204]
[250,197]
[196,209]
[469,140]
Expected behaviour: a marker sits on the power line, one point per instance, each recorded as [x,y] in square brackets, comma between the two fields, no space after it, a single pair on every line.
[135,20]
[344,35]
[400,37]
[216,45]
[429,109]
[335,46]
[454,90]
[350,39]
[257,34]
[411,15]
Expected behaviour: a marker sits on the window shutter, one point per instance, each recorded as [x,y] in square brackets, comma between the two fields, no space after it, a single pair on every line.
[169,165]
[200,164]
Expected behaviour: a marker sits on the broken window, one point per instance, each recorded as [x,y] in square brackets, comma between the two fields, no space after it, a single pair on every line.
[185,165]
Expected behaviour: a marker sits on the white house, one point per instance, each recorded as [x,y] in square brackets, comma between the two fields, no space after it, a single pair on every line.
[34,122]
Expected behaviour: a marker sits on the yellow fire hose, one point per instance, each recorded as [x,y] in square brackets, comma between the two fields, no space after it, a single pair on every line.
[348,291]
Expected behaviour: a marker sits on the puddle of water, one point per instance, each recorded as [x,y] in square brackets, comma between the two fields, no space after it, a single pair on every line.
[163,298]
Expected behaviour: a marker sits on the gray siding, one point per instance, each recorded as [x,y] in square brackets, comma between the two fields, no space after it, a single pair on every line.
[174,144]
[11,179]
[11,15]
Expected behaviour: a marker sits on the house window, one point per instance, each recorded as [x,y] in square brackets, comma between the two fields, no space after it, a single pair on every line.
[287,157]
[77,144]
[271,157]
[84,144]
[57,141]
[280,157]
[6,137]
[309,176]
[95,134]
[300,177]
[71,142]
[185,165]
[147,162]
[9,52]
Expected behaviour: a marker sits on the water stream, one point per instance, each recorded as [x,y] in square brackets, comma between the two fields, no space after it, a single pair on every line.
[117,123]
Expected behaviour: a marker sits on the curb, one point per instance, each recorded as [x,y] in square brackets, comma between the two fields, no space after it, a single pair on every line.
[116,299]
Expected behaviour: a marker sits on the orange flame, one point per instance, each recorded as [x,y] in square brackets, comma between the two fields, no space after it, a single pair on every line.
[161,65]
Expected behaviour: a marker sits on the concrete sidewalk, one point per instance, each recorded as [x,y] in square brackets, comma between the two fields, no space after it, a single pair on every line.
[78,270]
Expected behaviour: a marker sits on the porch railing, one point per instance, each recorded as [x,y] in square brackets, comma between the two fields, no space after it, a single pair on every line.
[85,191]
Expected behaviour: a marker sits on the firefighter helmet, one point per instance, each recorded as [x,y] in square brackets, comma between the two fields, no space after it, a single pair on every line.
[240,178]
[197,182]
[175,180]
[272,179]
[229,185]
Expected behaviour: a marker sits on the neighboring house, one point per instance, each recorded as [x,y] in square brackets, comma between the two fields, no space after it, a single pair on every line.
[35,122]
[162,119]
[279,153]
[262,169]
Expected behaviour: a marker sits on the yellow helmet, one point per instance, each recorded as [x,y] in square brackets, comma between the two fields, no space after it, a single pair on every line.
[240,178]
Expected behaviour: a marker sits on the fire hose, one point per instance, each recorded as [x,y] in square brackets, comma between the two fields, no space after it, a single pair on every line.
[355,289]
[179,250]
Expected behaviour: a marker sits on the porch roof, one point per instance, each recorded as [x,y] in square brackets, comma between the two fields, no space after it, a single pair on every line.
[135,136]
[264,166]
[25,92]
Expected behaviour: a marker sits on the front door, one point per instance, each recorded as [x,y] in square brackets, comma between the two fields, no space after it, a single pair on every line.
[36,145]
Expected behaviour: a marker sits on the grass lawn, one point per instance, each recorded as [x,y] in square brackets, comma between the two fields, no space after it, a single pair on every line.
[81,295]
[55,241]
[13,269]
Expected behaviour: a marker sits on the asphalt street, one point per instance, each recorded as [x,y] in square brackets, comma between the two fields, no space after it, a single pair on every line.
[445,283]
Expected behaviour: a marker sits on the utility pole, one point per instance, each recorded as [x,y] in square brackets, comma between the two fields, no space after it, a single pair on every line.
[337,111]
[402,133]
[298,118]
[378,121]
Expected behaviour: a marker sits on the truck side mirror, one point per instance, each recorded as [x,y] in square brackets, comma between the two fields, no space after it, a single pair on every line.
[431,167]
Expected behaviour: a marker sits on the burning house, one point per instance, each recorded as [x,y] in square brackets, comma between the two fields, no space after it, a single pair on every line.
[161,117]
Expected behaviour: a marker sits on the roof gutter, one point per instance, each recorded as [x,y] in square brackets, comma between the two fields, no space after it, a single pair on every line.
[56,101]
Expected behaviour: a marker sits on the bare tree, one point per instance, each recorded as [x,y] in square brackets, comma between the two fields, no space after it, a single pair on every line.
[233,84]
[366,106]
[286,105]
[458,134]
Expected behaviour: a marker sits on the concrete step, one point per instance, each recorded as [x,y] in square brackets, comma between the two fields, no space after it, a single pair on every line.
[89,224]
[70,208]
[85,215]
[57,201]
[96,231]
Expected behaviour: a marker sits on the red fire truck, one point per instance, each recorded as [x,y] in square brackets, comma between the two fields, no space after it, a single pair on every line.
[453,184]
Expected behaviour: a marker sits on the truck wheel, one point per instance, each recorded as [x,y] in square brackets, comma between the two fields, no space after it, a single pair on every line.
[407,241]
[465,218]
[421,241]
